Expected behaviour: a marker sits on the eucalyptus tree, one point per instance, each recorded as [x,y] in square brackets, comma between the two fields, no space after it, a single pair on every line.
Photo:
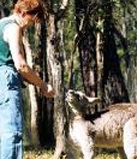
[117,38]
[100,52]
[53,14]
[114,89]
[126,33]
[85,25]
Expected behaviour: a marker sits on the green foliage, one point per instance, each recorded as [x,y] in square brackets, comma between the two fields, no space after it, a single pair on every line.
[7,6]
[69,29]
[69,42]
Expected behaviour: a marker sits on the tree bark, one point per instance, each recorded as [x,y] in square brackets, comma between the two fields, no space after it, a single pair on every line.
[1,11]
[55,64]
[100,62]
[113,83]
[86,45]
[33,97]
[55,70]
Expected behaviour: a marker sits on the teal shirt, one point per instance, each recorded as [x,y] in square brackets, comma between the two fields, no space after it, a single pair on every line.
[5,54]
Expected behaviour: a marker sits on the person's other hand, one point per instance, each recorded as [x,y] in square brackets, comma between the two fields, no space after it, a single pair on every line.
[47,90]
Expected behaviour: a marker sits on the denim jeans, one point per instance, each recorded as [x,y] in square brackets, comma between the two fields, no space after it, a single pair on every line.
[10,114]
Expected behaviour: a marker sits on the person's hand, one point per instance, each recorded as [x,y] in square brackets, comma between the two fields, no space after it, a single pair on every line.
[47,90]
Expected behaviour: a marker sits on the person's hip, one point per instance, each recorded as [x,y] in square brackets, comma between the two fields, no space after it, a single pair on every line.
[10,100]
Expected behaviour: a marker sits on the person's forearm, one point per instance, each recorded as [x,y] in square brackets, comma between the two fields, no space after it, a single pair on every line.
[30,76]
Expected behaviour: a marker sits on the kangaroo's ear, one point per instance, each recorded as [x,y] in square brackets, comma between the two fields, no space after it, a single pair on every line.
[93,100]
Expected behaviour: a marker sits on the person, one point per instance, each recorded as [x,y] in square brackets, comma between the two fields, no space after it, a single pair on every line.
[13,66]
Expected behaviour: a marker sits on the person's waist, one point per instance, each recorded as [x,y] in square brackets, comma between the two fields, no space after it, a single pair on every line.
[12,68]
[7,66]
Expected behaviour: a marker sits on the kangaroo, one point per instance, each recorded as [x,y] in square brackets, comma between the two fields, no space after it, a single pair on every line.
[114,128]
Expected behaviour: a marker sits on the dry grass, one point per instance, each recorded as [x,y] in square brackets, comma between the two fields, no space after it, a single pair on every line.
[107,156]
[37,154]
[43,154]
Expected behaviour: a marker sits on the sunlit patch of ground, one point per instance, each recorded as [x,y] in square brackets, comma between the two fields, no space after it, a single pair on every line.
[43,154]
[107,156]
[37,154]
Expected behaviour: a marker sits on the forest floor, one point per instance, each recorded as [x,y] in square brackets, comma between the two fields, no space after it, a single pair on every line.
[43,154]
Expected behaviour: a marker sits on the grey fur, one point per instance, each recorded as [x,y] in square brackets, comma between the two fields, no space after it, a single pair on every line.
[115,128]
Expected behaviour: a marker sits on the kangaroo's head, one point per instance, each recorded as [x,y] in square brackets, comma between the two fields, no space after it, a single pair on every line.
[79,102]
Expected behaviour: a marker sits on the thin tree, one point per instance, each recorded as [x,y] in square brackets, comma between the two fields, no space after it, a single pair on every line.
[33,96]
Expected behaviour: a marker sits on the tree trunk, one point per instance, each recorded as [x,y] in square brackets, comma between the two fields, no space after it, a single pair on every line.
[86,45]
[47,110]
[33,97]
[113,83]
[100,62]
[55,67]
[55,70]
[1,11]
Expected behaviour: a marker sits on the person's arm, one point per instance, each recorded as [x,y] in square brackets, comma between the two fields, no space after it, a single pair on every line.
[13,38]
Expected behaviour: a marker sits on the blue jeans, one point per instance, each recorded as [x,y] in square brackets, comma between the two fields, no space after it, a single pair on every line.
[10,114]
